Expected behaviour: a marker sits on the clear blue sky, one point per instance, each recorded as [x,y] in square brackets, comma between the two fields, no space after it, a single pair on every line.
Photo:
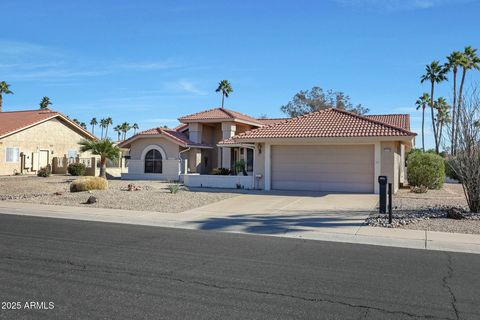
[152,61]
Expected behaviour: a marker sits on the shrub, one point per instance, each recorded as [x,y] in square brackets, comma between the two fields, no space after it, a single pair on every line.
[449,171]
[44,171]
[425,170]
[76,169]
[88,183]
[221,171]
[240,167]
[173,188]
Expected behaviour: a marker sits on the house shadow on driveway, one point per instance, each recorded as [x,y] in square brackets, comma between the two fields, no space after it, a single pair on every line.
[265,223]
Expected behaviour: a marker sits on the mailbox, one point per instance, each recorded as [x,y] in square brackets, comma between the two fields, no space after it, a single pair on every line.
[382,181]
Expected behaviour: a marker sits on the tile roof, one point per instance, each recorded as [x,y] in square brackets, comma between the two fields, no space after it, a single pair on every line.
[270,121]
[13,121]
[396,120]
[324,123]
[180,138]
[219,114]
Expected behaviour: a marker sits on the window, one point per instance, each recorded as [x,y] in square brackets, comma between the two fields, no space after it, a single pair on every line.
[72,154]
[249,159]
[153,162]
[12,155]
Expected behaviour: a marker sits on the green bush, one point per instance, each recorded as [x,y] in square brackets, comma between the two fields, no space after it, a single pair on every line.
[77,169]
[425,170]
[173,188]
[449,172]
[221,171]
[44,171]
[88,183]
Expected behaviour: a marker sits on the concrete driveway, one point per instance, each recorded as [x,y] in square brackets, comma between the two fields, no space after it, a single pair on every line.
[284,212]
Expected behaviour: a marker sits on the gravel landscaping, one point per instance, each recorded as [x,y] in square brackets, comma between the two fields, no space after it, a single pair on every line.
[151,196]
[428,211]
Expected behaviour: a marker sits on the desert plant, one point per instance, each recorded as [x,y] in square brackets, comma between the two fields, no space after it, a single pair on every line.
[449,171]
[45,171]
[221,171]
[466,162]
[88,183]
[173,188]
[425,169]
[240,167]
[76,169]
[103,148]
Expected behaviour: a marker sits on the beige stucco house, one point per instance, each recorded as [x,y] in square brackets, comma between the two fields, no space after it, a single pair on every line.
[30,139]
[329,150]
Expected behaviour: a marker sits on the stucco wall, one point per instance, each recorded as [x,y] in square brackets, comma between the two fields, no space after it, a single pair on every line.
[52,135]
[170,148]
[390,154]
[259,165]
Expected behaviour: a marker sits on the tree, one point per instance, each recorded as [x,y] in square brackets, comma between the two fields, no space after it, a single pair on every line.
[135,128]
[125,127]
[316,99]
[225,88]
[76,121]
[422,103]
[104,148]
[103,124]
[118,130]
[454,60]
[443,116]
[108,121]
[469,60]
[4,89]
[83,125]
[44,103]
[93,123]
[434,73]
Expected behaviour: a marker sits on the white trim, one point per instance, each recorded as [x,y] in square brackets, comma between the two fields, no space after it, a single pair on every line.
[268,166]
[156,147]
[377,166]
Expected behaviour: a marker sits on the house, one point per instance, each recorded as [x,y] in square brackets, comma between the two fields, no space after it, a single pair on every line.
[328,150]
[31,139]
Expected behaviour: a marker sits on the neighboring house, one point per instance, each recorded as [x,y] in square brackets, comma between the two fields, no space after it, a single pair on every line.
[328,150]
[30,139]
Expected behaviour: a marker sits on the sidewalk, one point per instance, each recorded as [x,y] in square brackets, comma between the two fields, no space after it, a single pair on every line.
[415,239]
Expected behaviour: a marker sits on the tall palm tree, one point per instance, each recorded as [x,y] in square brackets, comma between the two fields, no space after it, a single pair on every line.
[93,123]
[225,88]
[422,102]
[83,125]
[118,130]
[4,89]
[125,127]
[108,121]
[104,148]
[135,128]
[103,124]
[443,116]
[470,60]
[454,60]
[434,73]
[44,103]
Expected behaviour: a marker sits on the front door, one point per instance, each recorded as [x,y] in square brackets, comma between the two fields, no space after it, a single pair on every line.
[43,158]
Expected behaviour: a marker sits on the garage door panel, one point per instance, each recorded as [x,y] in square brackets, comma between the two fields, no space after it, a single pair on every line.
[323,168]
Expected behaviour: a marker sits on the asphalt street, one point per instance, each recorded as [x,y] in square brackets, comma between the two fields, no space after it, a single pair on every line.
[91,270]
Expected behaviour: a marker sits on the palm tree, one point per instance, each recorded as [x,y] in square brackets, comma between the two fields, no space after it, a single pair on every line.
[225,88]
[435,73]
[125,127]
[83,125]
[4,89]
[135,128]
[422,102]
[454,60]
[118,130]
[103,124]
[443,116]
[470,60]
[93,123]
[45,103]
[108,121]
[104,148]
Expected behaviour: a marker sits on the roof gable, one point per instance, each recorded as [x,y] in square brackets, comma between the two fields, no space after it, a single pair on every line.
[15,121]
[177,137]
[325,123]
[219,114]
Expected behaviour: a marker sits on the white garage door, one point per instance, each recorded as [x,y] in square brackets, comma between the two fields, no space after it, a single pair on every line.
[344,168]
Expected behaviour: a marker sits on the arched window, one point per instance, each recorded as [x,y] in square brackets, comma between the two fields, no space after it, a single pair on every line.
[153,162]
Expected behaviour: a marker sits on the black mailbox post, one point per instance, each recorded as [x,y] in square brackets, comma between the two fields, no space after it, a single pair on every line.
[382,181]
